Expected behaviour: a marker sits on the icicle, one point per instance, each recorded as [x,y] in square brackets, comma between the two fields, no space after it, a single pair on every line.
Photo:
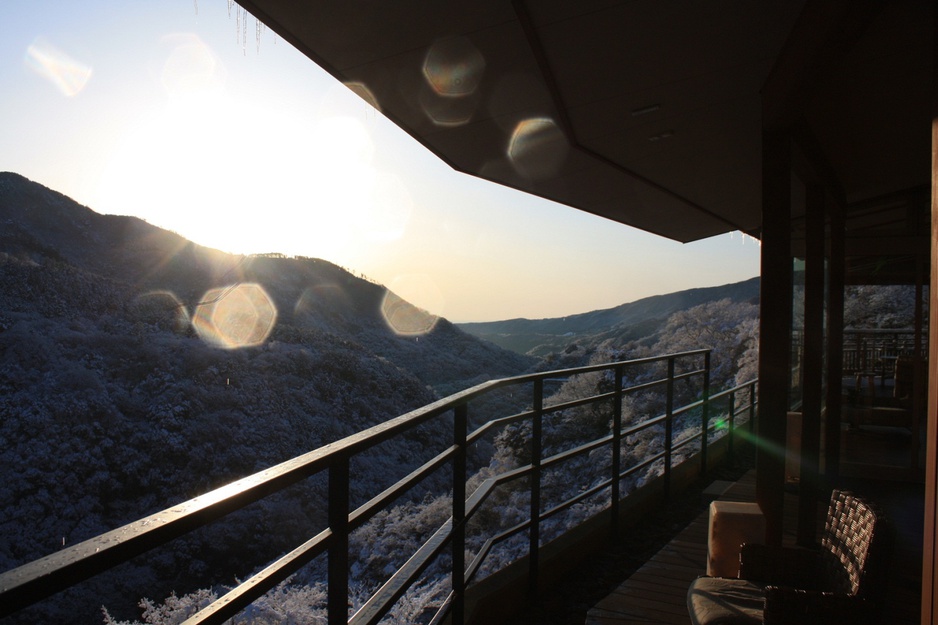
[196,3]
[244,33]
[241,27]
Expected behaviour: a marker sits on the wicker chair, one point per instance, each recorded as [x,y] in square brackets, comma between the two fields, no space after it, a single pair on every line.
[842,581]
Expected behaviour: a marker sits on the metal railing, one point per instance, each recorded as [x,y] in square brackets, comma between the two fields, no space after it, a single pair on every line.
[32,582]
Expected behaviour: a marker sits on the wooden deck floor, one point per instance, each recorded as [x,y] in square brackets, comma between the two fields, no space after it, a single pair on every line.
[656,593]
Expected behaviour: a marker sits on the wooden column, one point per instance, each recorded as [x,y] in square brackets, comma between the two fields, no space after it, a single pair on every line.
[930,542]
[813,365]
[929,551]
[835,342]
[774,329]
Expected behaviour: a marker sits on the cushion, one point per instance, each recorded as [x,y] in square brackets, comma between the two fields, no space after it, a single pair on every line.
[725,601]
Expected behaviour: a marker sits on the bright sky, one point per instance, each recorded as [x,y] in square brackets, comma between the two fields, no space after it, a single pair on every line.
[172,111]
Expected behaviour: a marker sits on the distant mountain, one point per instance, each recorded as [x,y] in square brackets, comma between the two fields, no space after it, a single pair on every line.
[540,337]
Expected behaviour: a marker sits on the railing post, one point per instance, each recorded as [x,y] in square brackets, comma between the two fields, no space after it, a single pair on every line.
[731,423]
[668,428]
[616,451]
[705,414]
[338,564]
[536,453]
[752,409]
[460,427]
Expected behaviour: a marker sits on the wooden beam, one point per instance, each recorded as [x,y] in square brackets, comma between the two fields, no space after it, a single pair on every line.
[885,245]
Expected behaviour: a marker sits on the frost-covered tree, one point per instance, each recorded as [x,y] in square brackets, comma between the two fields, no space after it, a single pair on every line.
[286,604]
[879,306]
[729,329]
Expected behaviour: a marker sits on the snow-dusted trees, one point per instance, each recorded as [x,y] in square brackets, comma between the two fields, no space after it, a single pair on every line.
[287,604]
[102,426]
[730,329]
[879,306]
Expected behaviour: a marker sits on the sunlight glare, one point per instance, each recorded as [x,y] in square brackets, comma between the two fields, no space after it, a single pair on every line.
[240,315]
[67,74]
[389,209]
[230,174]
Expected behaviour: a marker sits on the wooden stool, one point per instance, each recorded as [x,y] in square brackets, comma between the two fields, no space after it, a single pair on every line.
[732,523]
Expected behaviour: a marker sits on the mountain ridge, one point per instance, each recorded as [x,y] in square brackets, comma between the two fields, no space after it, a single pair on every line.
[539,337]
[42,226]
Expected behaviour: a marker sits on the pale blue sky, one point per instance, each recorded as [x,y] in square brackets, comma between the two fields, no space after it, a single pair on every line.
[157,109]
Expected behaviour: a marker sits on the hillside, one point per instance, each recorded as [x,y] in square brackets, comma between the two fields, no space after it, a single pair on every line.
[44,227]
[627,322]
[118,402]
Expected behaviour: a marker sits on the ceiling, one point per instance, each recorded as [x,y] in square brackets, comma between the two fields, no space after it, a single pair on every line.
[647,112]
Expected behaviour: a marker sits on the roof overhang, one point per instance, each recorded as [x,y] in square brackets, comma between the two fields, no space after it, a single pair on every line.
[647,112]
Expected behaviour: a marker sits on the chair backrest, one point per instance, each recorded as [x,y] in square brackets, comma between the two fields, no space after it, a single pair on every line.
[855,546]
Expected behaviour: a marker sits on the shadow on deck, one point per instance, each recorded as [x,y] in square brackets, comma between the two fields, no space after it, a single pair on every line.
[656,592]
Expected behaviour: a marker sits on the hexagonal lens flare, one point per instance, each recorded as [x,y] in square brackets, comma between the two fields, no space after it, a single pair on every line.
[453,67]
[537,148]
[404,318]
[453,70]
[240,315]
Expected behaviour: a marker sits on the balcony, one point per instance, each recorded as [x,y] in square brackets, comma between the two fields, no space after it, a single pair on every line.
[628,491]
[664,403]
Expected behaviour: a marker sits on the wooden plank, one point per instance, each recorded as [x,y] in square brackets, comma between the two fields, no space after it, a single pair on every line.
[657,592]
[636,614]
[652,600]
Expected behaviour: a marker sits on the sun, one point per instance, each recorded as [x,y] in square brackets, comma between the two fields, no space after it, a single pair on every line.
[234,175]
